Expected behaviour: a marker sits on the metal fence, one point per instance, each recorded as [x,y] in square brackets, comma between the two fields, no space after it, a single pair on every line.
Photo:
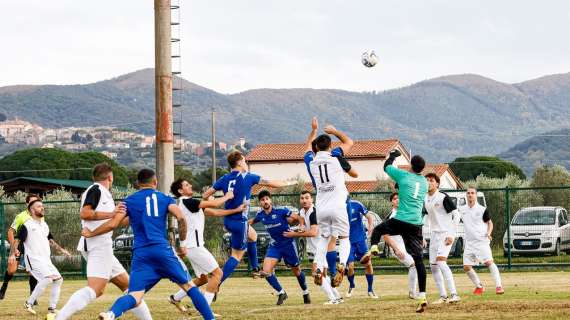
[531,227]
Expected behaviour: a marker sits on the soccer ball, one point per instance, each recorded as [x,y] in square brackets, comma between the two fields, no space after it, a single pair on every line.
[369,58]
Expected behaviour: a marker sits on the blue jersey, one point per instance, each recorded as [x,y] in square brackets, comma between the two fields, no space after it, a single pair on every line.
[241,184]
[147,210]
[275,223]
[356,211]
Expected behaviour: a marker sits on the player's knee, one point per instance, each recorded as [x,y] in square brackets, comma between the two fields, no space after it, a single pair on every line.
[488,263]
[351,269]
[466,268]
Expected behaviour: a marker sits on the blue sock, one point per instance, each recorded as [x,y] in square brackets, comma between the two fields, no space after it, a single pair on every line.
[273,282]
[200,303]
[351,281]
[302,282]
[123,304]
[331,261]
[252,254]
[229,267]
[370,279]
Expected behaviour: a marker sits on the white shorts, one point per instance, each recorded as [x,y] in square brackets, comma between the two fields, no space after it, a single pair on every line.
[407,260]
[102,263]
[437,247]
[476,253]
[41,269]
[333,222]
[202,261]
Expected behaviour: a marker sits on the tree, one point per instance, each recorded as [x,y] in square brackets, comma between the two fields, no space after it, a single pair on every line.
[553,176]
[204,178]
[492,167]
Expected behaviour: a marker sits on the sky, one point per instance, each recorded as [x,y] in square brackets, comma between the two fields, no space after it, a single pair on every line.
[235,45]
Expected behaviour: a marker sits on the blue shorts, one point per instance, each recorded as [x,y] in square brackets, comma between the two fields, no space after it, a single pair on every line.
[287,252]
[238,230]
[153,263]
[357,251]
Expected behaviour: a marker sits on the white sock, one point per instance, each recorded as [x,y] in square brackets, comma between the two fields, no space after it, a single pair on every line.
[448,276]
[495,274]
[421,295]
[336,293]
[343,250]
[141,311]
[178,296]
[209,296]
[474,278]
[438,278]
[305,292]
[55,291]
[412,279]
[79,300]
[321,254]
[40,287]
[326,286]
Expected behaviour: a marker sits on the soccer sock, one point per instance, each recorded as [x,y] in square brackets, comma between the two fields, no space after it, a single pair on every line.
[252,254]
[32,282]
[7,278]
[178,296]
[375,237]
[474,278]
[438,278]
[42,285]
[336,293]
[54,294]
[302,281]
[141,311]
[209,296]
[326,287]
[495,274]
[78,300]
[274,283]
[370,281]
[351,281]
[343,250]
[200,303]
[331,261]
[123,304]
[448,276]
[412,279]
[421,269]
[229,267]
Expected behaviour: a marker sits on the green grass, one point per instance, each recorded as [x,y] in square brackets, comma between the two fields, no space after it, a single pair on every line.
[529,295]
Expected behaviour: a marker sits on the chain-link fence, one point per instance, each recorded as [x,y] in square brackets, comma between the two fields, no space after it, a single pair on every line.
[531,227]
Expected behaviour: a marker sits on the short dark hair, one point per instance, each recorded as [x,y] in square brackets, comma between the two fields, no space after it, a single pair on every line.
[145,176]
[306,192]
[418,164]
[314,145]
[264,193]
[32,203]
[233,158]
[392,195]
[323,142]
[30,196]
[175,186]
[434,176]
[101,171]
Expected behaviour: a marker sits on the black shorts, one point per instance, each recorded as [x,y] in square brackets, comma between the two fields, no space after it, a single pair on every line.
[411,233]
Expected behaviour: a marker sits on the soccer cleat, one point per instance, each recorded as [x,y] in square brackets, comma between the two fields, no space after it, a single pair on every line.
[479,291]
[500,290]
[454,299]
[441,300]
[318,277]
[337,280]
[108,315]
[177,304]
[340,300]
[306,298]
[372,295]
[51,314]
[256,273]
[349,292]
[332,301]
[422,304]
[29,308]
[374,251]
[412,295]
[281,298]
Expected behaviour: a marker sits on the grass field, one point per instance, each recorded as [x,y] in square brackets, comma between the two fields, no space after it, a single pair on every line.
[529,295]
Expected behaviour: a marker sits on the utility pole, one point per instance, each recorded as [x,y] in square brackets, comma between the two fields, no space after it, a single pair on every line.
[213,146]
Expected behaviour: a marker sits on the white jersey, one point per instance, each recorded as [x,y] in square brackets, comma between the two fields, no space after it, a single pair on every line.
[475,223]
[306,214]
[329,178]
[35,235]
[440,213]
[100,200]
[195,221]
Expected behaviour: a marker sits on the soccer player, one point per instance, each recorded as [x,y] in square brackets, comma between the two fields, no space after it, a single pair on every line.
[203,262]
[328,176]
[36,237]
[408,219]
[97,207]
[276,222]
[407,260]
[153,258]
[440,217]
[478,228]
[240,181]
[19,220]
[358,248]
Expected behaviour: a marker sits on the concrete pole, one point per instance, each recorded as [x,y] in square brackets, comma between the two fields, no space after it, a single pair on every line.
[213,147]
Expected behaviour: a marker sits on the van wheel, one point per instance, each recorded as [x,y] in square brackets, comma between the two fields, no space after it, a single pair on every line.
[557,248]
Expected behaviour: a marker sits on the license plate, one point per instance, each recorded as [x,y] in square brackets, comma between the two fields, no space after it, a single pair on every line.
[526,243]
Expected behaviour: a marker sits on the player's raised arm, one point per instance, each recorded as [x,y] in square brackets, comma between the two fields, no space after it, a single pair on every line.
[174,210]
[223,212]
[210,192]
[345,142]
[276,183]
[114,222]
[312,135]
[214,203]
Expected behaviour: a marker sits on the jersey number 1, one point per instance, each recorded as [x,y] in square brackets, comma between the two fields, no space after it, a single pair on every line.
[417,190]
[152,205]
[326,177]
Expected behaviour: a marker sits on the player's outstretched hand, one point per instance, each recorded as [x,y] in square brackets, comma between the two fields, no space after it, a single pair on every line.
[396,153]
[121,208]
[229,195]
[314,124]
[86,233]
[241,207]
[290,233]
[330,129]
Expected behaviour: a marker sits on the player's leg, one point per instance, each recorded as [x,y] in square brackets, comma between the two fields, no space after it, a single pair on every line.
[350,270]
[46,273]
[341,229]
[291,258]
[469,260]
[441,259]
[57,281]
[238,242]
[121,281]
[273,256]
[8,275]
[320,266]
[486,256]
[435,243]
[252,251]
[407,261]
[413,240]
[361,250]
